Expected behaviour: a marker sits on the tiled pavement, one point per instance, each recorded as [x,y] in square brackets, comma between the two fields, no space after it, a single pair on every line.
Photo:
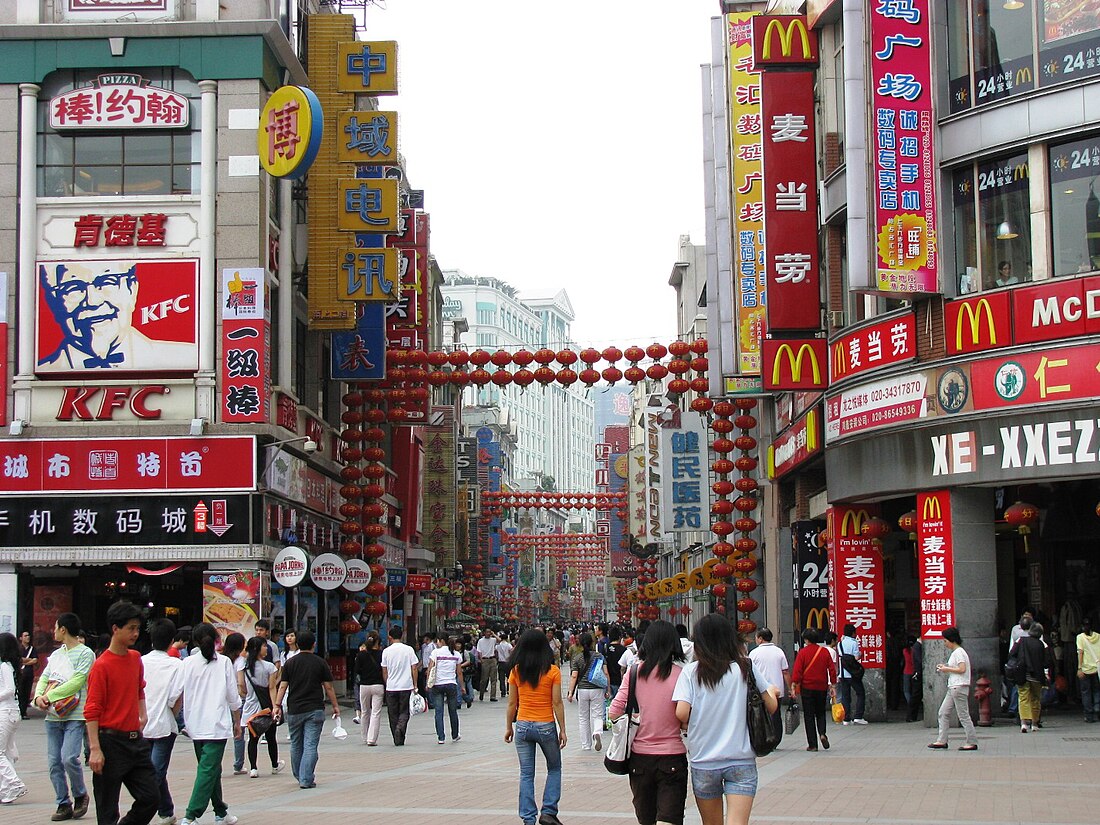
[881,774]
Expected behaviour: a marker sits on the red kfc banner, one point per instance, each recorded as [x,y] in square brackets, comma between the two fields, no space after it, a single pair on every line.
[246,347]
[117,315]
[935,560]
[790,174]
[139,465]
[856,582]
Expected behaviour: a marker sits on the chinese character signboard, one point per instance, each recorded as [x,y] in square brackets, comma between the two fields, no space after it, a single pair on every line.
[368,205]
[685,475]
[369,275]
[360,355]
[888,402]
[935,563]
[439,489]
[748,199]
[368,68]
[290,133]
[367,137]
[856,583]
[873,347]
[811,576]
[124,101]
[136,465]
[903,147]
[83,11]
[118,315]
[246,347]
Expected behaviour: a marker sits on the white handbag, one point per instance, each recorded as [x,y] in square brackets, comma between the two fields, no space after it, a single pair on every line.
[617,756]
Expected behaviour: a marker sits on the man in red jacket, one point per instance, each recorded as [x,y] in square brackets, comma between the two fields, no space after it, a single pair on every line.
[115,713]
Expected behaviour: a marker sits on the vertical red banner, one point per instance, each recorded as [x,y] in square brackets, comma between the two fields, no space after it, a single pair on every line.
[936,563]
[407,320]
[856,583]
[787,53]
[246,347]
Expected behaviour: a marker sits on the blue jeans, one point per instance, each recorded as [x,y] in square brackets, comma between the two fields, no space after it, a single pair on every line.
[161,755]
[468,689]
[853,708]
[305,733]
[238,752]
[445,694]
[545,735]
[64,743]
[1090,695]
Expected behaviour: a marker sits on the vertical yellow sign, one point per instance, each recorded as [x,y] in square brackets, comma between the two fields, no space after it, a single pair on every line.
[746,179]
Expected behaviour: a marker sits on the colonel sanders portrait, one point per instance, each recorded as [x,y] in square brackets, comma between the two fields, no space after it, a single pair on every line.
[93,303]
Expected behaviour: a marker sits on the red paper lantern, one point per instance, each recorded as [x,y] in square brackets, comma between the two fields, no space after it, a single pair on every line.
[634,374]
[724,445]
[479,358]
[656,372]
[634,354]
[699,346]
[566,377]
[700,384]
[745,504]
[502,378]
[744,545]
[875,528]
[589,355]
[745,585]
[745,463]
[745,442]
[376,588]
[745,422]
[723,466]
[375,608]
[908,521]
[721,528]
[747,605]
[501,358]
[746,565]
[746,626]
[545,356]
[725,409]
[350,627]
[721,570]
[678,386]
[722,425]
[722,549]
[701,405]
[656,351]
[544,375]
[678,349]
[745,524]
[1022,514]
[720,507]
[612,354]
[566,357]
[720,590]
[351,547]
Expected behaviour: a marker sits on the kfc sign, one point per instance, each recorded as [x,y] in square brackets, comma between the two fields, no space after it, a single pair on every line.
[100,403]
[120,101]
[128,315]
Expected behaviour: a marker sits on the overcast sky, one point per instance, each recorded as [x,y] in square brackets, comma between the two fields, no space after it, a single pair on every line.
[558,144]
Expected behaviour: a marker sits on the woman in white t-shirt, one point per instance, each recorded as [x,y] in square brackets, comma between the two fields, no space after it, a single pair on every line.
[711,697]
[257,685]
[443,666]
[958,693]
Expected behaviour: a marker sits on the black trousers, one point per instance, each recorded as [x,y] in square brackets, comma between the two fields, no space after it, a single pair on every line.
[125,762]
[659,783]
[397,708]
[814,703]
[254,747]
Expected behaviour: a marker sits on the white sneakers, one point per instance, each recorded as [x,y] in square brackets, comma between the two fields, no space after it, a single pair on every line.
[278,766]
[228,819]
[13,795]
[252,774]
[597,743]
[859,721]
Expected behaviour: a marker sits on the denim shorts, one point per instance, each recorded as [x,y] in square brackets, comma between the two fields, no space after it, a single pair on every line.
[736,780]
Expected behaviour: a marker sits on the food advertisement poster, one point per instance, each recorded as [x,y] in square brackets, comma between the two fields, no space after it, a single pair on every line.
[232,600]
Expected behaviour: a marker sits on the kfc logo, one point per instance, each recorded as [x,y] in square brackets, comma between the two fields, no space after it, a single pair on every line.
[118,315]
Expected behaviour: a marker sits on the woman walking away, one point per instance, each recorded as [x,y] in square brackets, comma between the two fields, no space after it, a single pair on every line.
[212,711]
[1034,657]
[444,663]
[589,694]
[257,685]
[658,759]
[11,665]
[534,703]
[372,687]
[958,693]
[813,679]
[711,698]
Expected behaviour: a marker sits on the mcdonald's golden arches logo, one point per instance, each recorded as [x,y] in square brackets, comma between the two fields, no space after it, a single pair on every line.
[1023,76]
[851,523]
[783,40]
[932,510]
[1021,171]
[839,362]
[817,617]
[977,323]
[795,364]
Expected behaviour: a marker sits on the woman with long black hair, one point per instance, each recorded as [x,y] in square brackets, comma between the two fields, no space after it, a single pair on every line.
[212,711]
[257,685]
[589,695]
[11,663]
[658,758]
[711,698]
[534,703]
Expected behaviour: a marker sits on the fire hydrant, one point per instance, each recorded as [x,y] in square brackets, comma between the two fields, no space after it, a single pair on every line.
[983,690]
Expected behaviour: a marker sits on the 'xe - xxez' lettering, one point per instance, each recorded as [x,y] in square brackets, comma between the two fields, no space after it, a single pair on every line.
[77,402]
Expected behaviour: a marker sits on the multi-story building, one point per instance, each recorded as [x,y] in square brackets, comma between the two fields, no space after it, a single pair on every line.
[957,151]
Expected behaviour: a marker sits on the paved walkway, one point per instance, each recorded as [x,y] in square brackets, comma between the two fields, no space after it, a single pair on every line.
[880,774]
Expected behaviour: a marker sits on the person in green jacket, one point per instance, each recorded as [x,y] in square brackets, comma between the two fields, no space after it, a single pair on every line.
[65,676]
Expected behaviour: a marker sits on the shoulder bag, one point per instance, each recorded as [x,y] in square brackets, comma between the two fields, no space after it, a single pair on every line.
[850,663]
[763,735]
[617,757]
[595,673]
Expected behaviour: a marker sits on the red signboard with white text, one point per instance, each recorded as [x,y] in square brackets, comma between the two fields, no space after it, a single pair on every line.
[790,180]
[935,562]
[246,347]
[856,582]
[873,347]
[137,465]
[407,320]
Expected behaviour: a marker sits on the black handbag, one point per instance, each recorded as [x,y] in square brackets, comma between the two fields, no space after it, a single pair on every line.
[763,733]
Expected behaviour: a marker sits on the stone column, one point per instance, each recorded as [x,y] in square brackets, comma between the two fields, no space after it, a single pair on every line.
[28,231]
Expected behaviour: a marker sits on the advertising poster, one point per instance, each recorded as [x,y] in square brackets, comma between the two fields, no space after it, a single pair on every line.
[117,315]
[811,576]
[439,489]
[622,562]
[904,181]
[231,600]
[748,193]
[685,475]
[935,563]
[857,584]
[246,347]
[1069,40]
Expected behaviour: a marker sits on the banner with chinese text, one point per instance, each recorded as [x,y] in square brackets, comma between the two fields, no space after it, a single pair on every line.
[811,576]
[246,347]
[856,583]
[685,475]
[903,149]
[439,488]
[935,563]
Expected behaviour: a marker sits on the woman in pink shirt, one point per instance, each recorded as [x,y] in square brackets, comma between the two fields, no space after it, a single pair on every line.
[658,758]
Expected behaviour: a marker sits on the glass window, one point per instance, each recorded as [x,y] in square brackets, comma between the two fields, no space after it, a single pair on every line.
[1004,37]
[958,53]
[1004,210]
[966,233]
[1069,45]
[1075,206]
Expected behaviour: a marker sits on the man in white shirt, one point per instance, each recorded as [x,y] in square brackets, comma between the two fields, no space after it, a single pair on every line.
[686,644]
[399,668]
[771,662]
[487,650]
[631,655]
[163,692]
[504,653]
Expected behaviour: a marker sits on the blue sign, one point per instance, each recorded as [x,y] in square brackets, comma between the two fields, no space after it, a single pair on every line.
[484,435]
[396,576]
[360,354]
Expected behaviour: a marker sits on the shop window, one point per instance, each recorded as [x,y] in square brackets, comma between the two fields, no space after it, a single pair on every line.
[1001,48]
[121,161]
[1004,215]
[966,233]
[1075,206]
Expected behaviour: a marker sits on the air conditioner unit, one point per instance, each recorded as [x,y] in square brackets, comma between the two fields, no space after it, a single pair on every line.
[836,318]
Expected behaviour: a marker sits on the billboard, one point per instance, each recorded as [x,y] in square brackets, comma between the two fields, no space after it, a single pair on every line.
[856,584]
[936,563]
[246,347]
[811,576]
[117,315]
[685,475]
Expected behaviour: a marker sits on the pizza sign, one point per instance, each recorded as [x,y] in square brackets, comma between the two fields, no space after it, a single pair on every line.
[120,101]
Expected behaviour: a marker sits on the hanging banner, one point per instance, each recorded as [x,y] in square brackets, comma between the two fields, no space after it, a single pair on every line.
[439,487]
[654,506]
[856,583]
[811,576]
[790,171]
[622,562]
[685,475]
[935,563]
[904,182]
[360,355]
[246,347]
[748,198]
